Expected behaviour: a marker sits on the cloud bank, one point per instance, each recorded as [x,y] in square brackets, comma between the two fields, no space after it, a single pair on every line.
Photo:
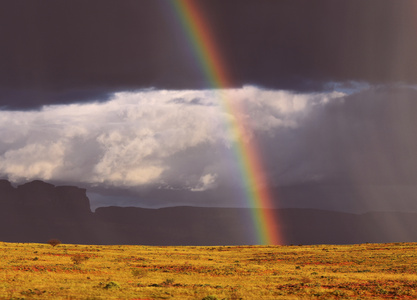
[346,149]
[170,139]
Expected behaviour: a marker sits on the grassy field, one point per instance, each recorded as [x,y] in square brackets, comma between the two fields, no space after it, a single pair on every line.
[367,271]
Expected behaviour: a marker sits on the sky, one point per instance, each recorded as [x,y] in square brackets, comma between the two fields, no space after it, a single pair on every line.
[108,95]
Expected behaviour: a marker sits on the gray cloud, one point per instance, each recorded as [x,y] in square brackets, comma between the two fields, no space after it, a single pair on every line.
[355,153]
[367,137]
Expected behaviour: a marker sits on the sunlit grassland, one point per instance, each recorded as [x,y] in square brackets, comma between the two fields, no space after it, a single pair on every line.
[367,271]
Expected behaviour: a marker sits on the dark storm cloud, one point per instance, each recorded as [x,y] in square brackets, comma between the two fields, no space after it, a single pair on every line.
[29,98]
[305,43]
[60,51]
[63,51]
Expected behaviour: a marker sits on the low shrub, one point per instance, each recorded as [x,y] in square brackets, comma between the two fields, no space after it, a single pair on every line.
[210,297]
[112,285]
[54,242]
[78,258]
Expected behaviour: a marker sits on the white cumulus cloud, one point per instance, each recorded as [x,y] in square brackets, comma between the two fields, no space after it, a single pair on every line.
[159,137]
[206,182]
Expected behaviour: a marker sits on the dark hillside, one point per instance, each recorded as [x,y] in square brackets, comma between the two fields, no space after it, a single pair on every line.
[38,211]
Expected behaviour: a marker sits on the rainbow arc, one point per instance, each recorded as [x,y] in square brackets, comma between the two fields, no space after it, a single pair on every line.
[251,169]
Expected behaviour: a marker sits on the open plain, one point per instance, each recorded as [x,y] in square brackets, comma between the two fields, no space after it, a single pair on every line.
[66,271]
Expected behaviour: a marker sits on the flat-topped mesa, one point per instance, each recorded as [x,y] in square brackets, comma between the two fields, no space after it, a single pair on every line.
[72,199]
[39,195]
[36,194]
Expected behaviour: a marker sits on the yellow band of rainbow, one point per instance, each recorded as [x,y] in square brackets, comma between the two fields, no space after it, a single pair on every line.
[247,155]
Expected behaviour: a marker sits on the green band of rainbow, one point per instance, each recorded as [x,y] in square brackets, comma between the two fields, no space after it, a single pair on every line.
[247,154]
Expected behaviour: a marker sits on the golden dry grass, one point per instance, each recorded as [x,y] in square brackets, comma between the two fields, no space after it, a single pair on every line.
[367,271]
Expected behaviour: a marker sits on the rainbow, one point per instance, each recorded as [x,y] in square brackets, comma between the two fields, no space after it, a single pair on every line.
[250,166]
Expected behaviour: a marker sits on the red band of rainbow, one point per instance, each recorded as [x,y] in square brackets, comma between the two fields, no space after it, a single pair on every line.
[247,155]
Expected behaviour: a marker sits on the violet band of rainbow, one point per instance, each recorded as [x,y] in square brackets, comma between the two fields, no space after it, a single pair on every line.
[257,191]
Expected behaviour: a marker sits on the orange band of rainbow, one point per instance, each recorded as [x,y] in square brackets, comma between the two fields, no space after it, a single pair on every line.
[252,173]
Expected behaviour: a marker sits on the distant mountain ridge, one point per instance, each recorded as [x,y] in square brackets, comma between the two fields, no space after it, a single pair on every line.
[38,211]
[38,194]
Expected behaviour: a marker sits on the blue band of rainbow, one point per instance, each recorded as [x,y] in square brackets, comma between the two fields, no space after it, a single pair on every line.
[247,155]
